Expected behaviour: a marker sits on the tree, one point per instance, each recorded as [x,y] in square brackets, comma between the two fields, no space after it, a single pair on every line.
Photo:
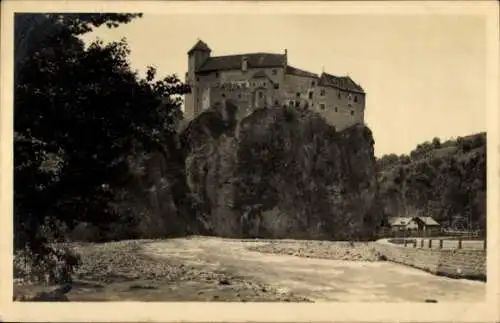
[436,143]
[79,113]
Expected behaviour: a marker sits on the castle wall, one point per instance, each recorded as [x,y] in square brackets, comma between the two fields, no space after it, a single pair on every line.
[240,87]
[188,102]
[239,75]
[339,108]
[297,88]
[240,97]
[192,106]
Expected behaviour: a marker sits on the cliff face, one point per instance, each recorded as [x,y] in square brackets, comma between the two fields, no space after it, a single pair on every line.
[280,173]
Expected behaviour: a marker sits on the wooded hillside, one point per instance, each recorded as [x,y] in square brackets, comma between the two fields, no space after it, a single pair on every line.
[444,180]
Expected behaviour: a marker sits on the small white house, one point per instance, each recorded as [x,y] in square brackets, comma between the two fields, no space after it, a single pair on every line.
[420,224]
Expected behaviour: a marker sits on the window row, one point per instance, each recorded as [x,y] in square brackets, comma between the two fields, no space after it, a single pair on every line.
[217,74]
[322,107]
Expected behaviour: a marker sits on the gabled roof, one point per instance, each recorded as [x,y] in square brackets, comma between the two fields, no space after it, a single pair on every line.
[399,220]
[200,46]
[298,72]
[254,60]
[427,220]
[405,220]
[340,82]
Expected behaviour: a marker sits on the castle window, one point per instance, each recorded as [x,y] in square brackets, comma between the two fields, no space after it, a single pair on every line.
[239,96]
[217,74]
[261,95]
[322,92]
[338,95]
[264,84]
[313,83]
[275,72]
[311,95]
[352,112]
[298,94]
[322,106]
[276,86]
[336,109]
[297,104]
[197,79]
[223,95]
[355,98]
[276,102]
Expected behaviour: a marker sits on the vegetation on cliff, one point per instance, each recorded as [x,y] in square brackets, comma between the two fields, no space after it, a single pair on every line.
[444,180]
[280,173]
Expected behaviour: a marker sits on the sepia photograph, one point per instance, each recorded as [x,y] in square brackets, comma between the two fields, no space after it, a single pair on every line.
[249,156]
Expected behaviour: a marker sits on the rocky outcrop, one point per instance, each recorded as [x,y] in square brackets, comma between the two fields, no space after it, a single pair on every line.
[280,173]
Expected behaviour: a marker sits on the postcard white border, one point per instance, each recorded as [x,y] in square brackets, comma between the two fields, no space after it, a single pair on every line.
[264,312]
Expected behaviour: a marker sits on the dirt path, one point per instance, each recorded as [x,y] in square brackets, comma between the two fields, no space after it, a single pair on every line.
[318,279]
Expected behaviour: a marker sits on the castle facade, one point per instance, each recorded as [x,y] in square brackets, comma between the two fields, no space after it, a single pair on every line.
[258,80]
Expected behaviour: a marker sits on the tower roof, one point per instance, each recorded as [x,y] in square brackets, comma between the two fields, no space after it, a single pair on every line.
[200,46]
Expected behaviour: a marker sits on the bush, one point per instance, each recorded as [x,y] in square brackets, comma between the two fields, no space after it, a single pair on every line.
[54,266]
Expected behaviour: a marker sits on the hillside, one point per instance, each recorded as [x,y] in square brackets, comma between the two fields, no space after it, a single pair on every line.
[444,180]
[280,173]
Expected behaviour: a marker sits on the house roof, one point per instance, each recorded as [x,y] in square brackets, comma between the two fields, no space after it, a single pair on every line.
[399,220]
[427,220]
[405,220]
[200,46]
[254,60]
[340,82]
[298,72]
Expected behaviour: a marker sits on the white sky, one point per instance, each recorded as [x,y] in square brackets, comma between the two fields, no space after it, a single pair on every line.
[425,75]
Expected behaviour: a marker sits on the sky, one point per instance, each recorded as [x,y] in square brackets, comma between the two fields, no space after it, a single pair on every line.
[424,75]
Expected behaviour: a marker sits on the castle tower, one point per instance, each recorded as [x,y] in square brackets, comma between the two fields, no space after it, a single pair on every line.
[197,55]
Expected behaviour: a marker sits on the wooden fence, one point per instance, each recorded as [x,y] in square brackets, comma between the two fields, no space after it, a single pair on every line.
[441,243]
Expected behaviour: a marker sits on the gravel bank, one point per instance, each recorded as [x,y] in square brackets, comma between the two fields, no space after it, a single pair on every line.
[334,250]
[121,271]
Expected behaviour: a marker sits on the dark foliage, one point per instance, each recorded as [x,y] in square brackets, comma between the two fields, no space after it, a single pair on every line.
[85,126]
[444,180]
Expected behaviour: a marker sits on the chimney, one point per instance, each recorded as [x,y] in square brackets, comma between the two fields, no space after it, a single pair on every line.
[244,64]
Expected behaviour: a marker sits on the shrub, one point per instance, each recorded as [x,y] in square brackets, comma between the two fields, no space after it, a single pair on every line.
[54,266]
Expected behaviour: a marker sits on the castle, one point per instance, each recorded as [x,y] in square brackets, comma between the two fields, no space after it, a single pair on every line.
[258,80]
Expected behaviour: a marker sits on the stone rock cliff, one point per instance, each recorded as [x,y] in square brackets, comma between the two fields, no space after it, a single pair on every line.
[279,173]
